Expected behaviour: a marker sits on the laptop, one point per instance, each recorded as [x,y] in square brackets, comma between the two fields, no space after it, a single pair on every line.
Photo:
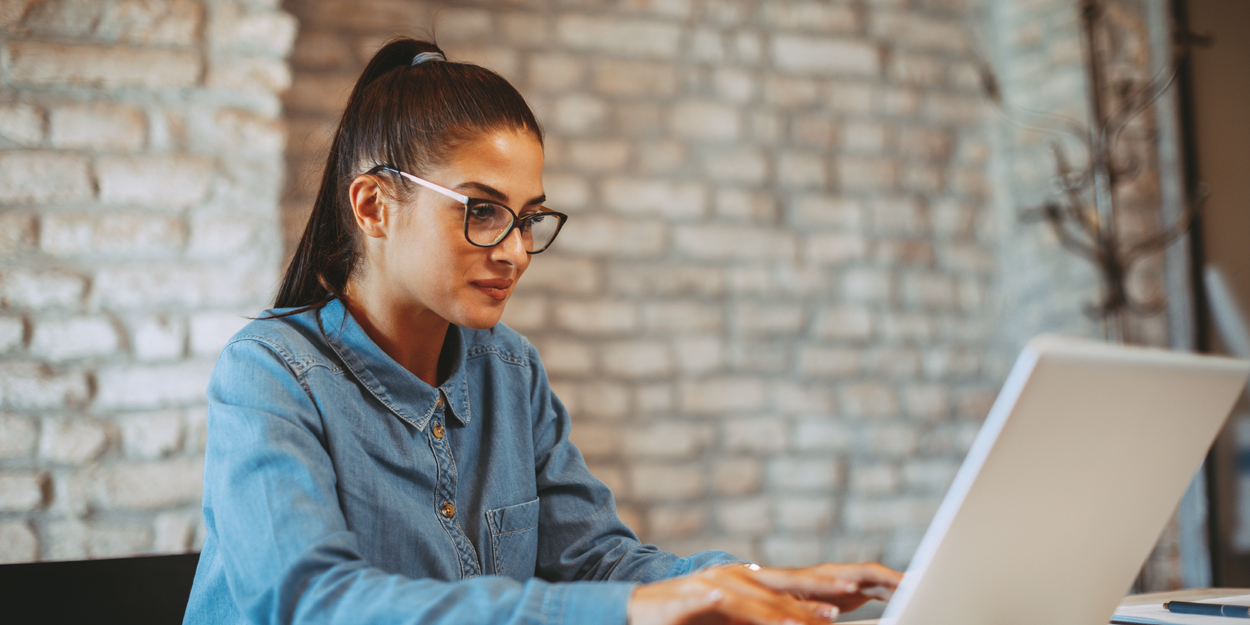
[1068,486]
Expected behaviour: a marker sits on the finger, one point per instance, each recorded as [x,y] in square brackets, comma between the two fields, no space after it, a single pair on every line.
[773,609]
[824,611]
[830,581]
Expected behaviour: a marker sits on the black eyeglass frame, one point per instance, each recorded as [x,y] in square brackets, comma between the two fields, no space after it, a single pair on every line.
[470,202]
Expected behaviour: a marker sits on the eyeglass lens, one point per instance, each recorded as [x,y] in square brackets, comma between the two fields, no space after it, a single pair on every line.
[487,224]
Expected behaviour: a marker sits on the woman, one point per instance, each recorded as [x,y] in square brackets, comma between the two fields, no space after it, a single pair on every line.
[381,449]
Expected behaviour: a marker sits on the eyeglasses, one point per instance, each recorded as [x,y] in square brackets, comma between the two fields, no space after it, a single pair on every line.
[486,223]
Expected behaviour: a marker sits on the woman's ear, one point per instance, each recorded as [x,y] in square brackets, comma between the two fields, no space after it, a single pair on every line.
[368,206]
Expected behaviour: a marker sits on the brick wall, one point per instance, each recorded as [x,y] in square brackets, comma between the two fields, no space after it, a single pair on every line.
[768,312]
[140,168]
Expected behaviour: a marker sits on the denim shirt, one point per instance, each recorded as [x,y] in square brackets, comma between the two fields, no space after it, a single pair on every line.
[340,488]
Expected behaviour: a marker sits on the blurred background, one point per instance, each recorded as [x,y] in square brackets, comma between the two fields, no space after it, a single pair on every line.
[807,240]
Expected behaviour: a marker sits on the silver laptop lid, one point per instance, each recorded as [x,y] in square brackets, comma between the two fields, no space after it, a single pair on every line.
[1068,485]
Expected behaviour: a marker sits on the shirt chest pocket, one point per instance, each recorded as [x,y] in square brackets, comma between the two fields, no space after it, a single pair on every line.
[514,539]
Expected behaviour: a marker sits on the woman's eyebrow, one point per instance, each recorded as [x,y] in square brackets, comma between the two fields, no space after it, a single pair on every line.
[497,195]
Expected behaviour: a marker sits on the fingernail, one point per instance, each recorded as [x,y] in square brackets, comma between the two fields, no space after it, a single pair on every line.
[852,587]
[830,613]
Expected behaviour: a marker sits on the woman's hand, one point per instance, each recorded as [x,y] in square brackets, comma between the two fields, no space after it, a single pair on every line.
[748,594]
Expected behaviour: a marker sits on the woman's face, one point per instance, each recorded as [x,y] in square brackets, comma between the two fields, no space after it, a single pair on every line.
[430,267]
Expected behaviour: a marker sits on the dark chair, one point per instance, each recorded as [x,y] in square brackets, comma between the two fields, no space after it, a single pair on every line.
[139,590]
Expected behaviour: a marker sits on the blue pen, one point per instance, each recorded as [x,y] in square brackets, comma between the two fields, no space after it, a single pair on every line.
[1208,609]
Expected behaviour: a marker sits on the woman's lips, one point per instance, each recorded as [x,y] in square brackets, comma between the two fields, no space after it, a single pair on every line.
[495,288]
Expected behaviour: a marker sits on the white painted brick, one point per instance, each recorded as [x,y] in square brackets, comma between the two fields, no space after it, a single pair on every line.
[928,290]
[836,248]
[196,428]
[748,516]
[604,400]
[824,56]
[792,92]
[666,439]
[790,397]
[654,398]
[18,436]
[668,280]
[843,323]
[580,114]
[76,540]
[43,63]
[682,316]
[223,236]
[124,234]
[556,71]
[759,435]
[930,475]
[72,441]
[867,285]
[250,74]
[597,317]
[733,243]
[624,37]
[892,362]
[166,182]
[635,78]
[18,543]
[803,474]
[917,69]
[264,33]
[97,126]
[616,236]
[707,45]
[866,174]
[868,399]
[827,211]
[735,85]
[24,177]
[674,201]
[28,386]
[698,355]
[173,22]
[706,120]
[818,17]
[661,156]
[243,283]
[806,514]
[874,479]
[149,485]
[823,434]
[891,438]
[914,327]
[174,532]
[802,169]
[792,551]
[759,355]
[816,360]
[737,475]
[18,233]
[748,47]
[736,165]
[12,333]
[723,394]
[568,357]
[767,318]
[211,330]
[21,492]
[145,387]
[596,440]
[666,482]
[867,515]
[744,205]
[150,436]
[676,520]
[922,32]
[567,193]
[22,124]
[637,359]
[79,337]
[857,549]
[158,338]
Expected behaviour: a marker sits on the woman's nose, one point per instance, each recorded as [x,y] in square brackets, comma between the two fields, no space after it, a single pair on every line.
[511,249]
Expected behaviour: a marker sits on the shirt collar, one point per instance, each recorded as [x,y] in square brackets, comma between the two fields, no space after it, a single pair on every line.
[403,393]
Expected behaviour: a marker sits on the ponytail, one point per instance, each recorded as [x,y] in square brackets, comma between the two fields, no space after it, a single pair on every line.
[409,110]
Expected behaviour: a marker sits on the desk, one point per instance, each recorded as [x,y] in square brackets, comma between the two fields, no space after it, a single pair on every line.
[1191,594]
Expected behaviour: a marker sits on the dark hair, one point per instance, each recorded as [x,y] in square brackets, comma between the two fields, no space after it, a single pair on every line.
[409,117]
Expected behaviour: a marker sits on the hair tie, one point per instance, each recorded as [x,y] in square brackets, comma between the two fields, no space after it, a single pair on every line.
[428,56]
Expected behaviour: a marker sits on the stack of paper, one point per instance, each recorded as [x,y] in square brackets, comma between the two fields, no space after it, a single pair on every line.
[1156,614]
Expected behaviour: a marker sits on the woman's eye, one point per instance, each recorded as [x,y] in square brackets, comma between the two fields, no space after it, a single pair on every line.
[485,212]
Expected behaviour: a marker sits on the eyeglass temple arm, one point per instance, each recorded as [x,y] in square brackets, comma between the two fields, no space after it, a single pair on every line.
[463,199]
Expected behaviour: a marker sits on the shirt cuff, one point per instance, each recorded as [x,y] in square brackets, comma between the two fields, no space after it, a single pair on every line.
[589,602]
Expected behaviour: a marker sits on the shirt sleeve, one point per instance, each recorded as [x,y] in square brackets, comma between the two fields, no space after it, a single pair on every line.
[280,540]
[580,536]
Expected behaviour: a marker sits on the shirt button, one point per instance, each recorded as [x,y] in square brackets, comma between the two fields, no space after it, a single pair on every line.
[448,510]
[439,403]
[438,430]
